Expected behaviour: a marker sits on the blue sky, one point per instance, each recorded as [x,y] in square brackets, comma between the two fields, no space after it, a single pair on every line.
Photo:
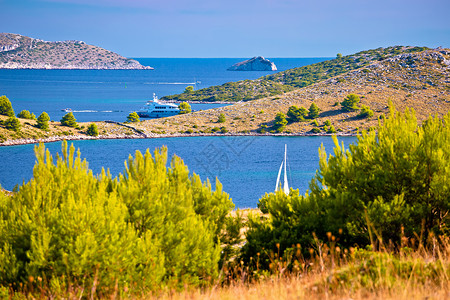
[232,28]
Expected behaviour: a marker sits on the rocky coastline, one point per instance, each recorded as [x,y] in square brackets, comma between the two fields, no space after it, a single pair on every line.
[26,141]
[22,52]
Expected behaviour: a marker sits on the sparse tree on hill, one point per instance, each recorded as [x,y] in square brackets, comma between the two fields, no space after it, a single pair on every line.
[184,107]
[350,103]
[6,107]
[280,122]
[297,114]
[133,118]
[313,111]
[92,130]
[221,118]
[25,114]
[365,112]
[12,123]
[42,121]
[189,89]
[69,120]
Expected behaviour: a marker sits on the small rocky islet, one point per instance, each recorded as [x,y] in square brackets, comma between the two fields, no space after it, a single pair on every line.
[257,63]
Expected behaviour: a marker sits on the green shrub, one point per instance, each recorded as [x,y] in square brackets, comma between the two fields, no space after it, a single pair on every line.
[6,107]
[12,123]
[184,107]
[315,123]
[25,114]
[331,129]
[350,103]
[280,122]
[221,118]
[394,181]
[327,123]
[92,130]
[297,114]
[316,130]
[42,121]
[313,111]
[138,232]
[215,129]
[133,117]
[365,112]
[223,129]
[69,120]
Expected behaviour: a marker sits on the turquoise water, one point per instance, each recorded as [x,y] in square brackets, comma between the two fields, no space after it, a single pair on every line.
[97,95]
[246,166]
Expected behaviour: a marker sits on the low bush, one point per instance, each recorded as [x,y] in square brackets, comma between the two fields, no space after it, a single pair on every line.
[151,227]
[394,180]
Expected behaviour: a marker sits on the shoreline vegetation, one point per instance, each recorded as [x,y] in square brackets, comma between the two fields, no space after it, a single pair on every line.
[70,234]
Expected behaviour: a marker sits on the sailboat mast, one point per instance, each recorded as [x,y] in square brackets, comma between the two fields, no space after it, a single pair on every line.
[285,186]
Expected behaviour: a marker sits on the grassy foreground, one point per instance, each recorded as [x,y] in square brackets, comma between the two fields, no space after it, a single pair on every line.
[332,273]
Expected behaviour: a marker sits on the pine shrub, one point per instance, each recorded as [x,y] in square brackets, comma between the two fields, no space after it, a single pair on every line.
[69,120]
[12,123]
[350,103]
[42,121]
[6,107]
[313,111]
[92,130]
[25,114]
[365,112]
[221,118]
[394,180]
[151,227]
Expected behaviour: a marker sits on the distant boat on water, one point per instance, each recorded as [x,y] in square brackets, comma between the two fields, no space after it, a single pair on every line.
[67,110]
[285,186]
[155,109]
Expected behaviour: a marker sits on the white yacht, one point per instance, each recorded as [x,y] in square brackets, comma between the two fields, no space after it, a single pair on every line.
[155,109]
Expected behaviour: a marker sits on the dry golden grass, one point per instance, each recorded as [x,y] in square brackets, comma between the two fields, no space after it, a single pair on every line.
[422,273]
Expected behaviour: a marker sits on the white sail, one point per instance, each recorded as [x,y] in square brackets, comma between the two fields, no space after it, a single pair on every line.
[278,178]
[285,181]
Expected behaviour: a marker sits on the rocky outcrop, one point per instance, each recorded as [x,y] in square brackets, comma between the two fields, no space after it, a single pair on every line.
[21,52]
[257,63]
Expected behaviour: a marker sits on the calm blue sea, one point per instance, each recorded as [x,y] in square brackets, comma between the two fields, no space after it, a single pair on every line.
[97,95]
[247,166]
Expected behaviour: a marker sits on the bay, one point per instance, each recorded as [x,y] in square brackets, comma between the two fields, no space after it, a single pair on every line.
[97,95]
[246,166]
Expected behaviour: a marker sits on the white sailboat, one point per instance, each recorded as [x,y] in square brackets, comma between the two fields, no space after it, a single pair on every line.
[285,181]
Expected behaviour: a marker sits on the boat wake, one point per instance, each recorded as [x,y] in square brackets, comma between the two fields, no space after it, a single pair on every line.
[91,111]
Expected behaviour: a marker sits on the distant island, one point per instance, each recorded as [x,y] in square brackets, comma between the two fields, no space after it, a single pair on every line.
[257,63]
[22,52]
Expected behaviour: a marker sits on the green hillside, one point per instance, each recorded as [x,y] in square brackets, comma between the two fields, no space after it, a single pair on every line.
[289,80]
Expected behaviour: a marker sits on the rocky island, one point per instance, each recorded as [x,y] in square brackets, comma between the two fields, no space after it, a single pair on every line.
[22,52]
[257,63]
